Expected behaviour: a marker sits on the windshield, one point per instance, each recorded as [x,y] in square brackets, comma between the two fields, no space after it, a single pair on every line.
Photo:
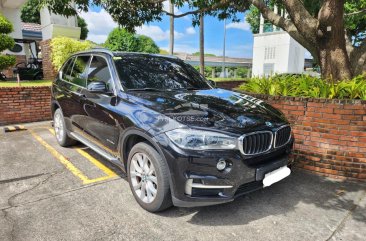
[155,72]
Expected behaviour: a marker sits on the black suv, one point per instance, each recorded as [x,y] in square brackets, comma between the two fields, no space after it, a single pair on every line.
[180,140]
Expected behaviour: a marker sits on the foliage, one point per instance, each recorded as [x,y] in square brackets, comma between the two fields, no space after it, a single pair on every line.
[355,23]
[307,86]
[5,25]
[63,47]
[253,18]
[307,23]
[163,51]
[122,40]
[30,12]
[207,55]
[6,61]
[6,42]
[147,45]
[83,27]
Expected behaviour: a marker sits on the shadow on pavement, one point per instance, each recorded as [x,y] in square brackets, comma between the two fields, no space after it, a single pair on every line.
[281,198]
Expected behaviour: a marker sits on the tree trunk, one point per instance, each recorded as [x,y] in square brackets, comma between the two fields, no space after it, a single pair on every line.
[171,43]
[333,57]
[202,45]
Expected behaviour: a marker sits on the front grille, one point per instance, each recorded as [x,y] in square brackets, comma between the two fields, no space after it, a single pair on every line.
[282,137]
[256,143]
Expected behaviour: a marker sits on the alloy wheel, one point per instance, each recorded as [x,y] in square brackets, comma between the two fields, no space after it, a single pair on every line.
[143,177]
[59,126]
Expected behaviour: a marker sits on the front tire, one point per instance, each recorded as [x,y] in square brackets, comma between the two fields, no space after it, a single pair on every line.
[148,176]
[60,130]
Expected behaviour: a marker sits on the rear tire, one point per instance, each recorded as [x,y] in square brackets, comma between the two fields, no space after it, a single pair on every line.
[60,130]
[148,176]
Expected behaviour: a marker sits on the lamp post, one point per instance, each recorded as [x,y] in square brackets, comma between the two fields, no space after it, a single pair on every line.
[224,50]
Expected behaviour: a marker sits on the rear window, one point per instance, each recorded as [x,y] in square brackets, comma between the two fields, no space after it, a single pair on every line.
[66,71]
[79,71]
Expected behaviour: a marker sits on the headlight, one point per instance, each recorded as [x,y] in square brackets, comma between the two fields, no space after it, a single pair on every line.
[201,140]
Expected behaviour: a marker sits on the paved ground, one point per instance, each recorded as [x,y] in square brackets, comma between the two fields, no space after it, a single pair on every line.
[53,193]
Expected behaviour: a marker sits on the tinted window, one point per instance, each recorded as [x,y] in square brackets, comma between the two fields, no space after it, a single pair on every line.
[78,75]
[143,71]
[66,71]
[99,71]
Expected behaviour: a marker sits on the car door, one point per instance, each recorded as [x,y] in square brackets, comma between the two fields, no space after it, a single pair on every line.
[101,121]
[72,84]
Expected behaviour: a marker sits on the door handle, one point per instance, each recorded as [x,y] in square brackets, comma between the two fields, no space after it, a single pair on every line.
[80,95]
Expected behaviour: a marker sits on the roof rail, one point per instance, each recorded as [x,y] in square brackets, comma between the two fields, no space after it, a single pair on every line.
[97,49]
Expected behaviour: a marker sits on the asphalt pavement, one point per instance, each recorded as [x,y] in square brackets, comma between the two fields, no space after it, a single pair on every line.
[52,193]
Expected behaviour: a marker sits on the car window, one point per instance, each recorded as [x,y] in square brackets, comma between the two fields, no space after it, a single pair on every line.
[78,74]
[99,71]
[144,71]
[66,71]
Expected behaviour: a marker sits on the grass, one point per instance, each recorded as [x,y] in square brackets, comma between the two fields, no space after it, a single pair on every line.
[227,79]
[23,83]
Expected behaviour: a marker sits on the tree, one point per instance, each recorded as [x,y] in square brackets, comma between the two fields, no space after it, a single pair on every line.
[6,42]
[147,45]
[122,40]
[30,13]
[318,25]
[83,28]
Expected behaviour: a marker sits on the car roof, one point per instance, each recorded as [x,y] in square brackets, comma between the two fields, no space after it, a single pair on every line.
[121,54]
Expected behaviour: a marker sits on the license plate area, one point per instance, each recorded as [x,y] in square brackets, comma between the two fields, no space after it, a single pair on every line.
[276,176]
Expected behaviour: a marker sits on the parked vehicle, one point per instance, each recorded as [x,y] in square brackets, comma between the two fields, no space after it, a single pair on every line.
[180,140]
[30,71]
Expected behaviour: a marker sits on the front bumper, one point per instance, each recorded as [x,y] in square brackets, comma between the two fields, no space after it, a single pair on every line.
[195,180]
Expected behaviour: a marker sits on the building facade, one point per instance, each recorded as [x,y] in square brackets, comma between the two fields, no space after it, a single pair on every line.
[276,52]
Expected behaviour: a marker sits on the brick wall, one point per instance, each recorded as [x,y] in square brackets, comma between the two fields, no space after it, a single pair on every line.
[330,134]
[48,70]
[24,104]
[229,85]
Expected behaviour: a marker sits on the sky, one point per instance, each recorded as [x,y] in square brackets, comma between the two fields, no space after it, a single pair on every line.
[239,38]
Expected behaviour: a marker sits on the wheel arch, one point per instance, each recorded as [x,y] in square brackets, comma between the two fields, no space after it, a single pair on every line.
[131,138]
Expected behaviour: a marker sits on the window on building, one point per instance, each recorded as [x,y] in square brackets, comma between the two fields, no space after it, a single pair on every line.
[269,53]
[268,69]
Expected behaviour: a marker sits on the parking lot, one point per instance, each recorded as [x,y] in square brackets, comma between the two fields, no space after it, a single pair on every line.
[54,193]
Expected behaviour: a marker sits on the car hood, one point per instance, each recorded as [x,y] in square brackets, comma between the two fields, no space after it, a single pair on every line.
[218,108]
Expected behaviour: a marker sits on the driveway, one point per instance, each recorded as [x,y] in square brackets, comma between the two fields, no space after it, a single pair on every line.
[52,193]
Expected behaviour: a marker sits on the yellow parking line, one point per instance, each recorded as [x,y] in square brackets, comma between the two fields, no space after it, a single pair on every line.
[100,165]
[97,163]
[71,167]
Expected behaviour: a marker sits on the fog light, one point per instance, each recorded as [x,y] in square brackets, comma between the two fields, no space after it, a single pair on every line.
[221,165]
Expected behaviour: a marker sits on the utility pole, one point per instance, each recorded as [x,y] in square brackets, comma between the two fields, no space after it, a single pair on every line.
[224,52]
[171,43]
[202,45]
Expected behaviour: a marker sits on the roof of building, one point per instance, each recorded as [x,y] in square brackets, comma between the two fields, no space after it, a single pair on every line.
[32,27]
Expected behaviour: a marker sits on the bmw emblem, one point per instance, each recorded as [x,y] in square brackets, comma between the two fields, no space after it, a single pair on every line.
[269,124]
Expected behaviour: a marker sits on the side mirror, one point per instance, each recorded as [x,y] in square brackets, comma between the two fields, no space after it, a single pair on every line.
[97,87]
[213,83]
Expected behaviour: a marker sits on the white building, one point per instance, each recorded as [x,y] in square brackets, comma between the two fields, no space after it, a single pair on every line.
[52,25]
[276,52]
